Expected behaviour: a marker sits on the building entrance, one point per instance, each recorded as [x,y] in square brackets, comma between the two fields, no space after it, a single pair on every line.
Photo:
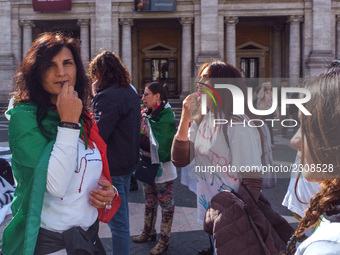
[162,70]
[159,51]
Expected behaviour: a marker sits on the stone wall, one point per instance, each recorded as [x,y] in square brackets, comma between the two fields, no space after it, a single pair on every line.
[301,35]
[7,65]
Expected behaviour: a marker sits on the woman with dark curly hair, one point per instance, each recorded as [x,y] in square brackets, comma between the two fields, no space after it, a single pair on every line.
[58,158]
[116,106]
[318,141]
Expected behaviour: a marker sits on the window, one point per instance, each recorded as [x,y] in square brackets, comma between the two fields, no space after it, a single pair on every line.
[160,64]
[250,67]
[160,69]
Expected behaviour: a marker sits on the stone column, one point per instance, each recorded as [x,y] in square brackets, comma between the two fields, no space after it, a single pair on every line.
[294,46]
[322,52]
[85,40]
[103,25]
[92,28]
[135,59]
[8,44]
[126,24]
[27,35]
[6,56]
[231,39]
[221,36]
[209,32]
[307,38]
[277,51]
[322,24]
[115,28]
[186,55]
[337,36]
[197,34]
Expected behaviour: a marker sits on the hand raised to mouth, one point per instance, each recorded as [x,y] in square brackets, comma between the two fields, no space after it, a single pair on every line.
[69,105]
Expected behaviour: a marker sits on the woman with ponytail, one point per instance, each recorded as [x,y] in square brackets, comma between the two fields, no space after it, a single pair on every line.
[157,132]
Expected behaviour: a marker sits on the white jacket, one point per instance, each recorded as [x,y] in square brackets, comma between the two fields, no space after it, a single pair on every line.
[324,241]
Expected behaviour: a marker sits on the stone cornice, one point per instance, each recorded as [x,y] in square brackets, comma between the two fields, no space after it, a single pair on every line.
[231,20]
[187,20]
[83,22]
[26,23]
[126,22]
[295,19]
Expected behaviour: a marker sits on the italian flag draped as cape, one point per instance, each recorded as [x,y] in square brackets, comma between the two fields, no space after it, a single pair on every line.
[31,152]
[163,129]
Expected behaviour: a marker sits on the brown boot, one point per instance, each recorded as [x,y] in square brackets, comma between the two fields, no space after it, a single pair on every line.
[163,243]
[150,216]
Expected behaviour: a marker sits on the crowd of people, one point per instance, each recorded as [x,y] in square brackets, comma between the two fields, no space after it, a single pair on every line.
[77,139]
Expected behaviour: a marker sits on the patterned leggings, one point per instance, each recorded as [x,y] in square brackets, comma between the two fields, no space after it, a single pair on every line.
[162,193]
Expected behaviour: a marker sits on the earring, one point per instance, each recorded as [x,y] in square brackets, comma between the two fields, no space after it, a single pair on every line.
[156,105]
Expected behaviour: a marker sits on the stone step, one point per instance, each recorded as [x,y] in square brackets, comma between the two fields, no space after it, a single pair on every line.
[3,107]
[176,106]
[175,103]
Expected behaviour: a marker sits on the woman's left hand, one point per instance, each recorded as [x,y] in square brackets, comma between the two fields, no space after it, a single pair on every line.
[100,198]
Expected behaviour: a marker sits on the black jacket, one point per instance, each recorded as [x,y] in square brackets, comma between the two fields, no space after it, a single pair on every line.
[117,112]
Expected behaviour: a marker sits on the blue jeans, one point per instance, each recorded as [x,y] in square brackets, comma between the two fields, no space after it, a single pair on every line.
[119,224]
[213,243]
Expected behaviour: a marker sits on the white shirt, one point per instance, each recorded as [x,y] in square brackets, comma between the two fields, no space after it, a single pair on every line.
[325,240]
[304,190]
[211,149]
[169,172]
[72,173]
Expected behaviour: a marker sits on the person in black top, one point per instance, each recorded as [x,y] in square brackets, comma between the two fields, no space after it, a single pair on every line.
[116,107]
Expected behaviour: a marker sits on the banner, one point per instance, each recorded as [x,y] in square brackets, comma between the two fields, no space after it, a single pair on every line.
[155,5]
[51,5]
[142,5]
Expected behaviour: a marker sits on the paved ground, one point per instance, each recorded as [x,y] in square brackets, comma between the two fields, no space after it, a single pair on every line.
[187,235]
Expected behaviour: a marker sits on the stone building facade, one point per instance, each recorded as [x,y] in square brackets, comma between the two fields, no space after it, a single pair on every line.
[263,38]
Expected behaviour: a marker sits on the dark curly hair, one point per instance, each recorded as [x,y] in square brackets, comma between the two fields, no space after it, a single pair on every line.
[28,78]
[107,69]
